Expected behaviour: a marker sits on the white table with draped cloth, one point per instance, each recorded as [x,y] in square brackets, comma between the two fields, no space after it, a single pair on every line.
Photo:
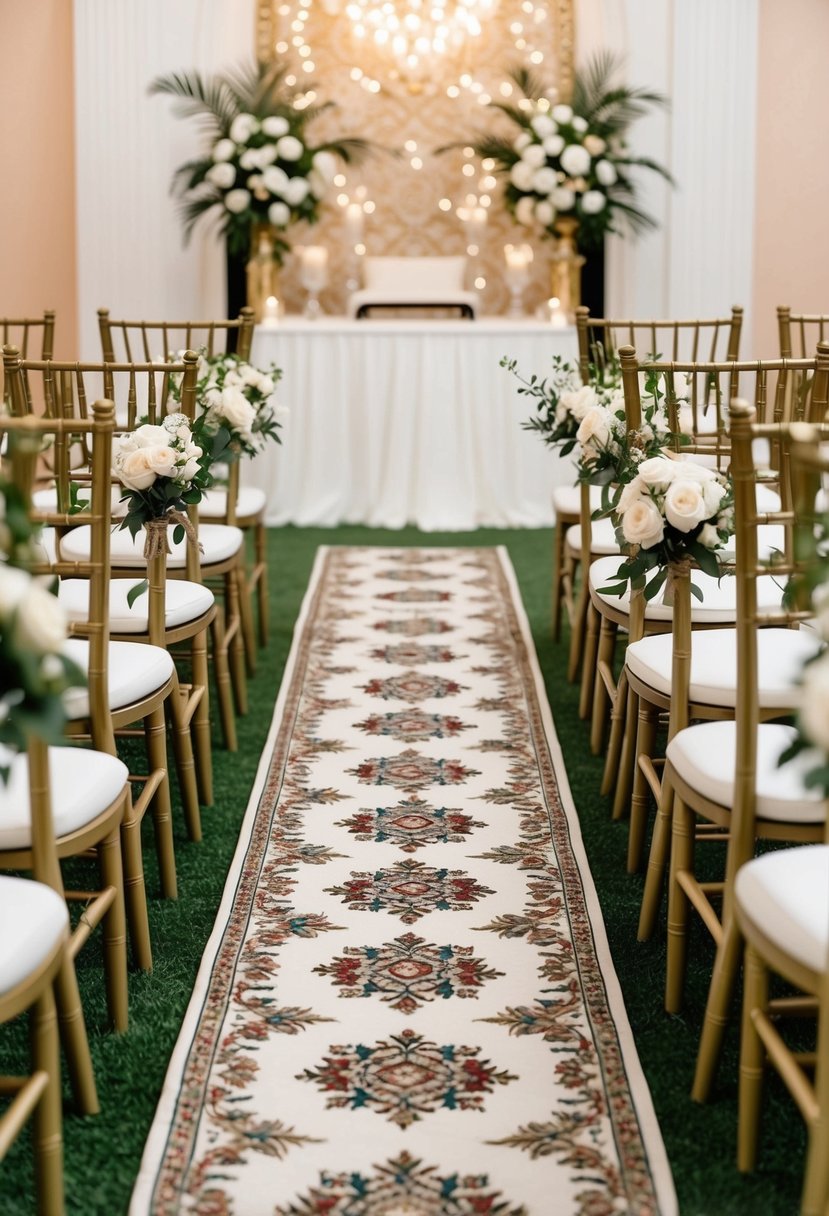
[396,422]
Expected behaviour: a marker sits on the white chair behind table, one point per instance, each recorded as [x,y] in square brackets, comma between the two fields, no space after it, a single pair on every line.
[238,506]
[405,283]
[781,908]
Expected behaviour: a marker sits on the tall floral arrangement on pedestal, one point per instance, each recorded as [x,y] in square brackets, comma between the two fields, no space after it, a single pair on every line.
[571,160]
[259,165]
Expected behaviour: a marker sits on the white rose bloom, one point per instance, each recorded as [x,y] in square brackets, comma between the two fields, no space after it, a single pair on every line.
[693,471]
[658,472]
[543,125]
[521,141]
[296,191]
[684,505]
[713,492]
[275,126]
[642,524]
[595,144]
[236,410]
[266,385]
[563,198]
[325,164]
[213,397]
[606,172]
[275,179]
[594,427]
[709,537]
[534,155]
[544,180]
[242,127]
[139,469]
[630,493]
[525,211]
[237,201]
[521,175]
[579,124]
[563,113]
[575,160]
[40,622]
[279,214]
[289,148]
[223,150]
[250,159]
[222,175]
[593,201]
[148,436]
[544,213]
[553,145]
[188,470]
[814,706]
[266,155]
[579,402]
[13,586]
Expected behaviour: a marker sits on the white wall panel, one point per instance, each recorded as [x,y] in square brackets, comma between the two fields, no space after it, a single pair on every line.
[131,257]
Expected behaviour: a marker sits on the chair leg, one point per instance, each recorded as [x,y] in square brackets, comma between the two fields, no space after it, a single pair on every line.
[640,797]
[236,650]
[246,617]
[726,966]
[185,764]
[601,696]
[135,893]
[75,1039]
[47,1132]
[657,860]
[577,629]
[618,717]
[221,671]
[682,861]
[260,540]
[589,662]
[156,735]
[752,1062]
[115,932]
[558,570]
[200,725]
[627,758]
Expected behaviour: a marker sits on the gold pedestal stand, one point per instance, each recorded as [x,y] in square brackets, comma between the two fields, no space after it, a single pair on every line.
[263,270]
[566,267]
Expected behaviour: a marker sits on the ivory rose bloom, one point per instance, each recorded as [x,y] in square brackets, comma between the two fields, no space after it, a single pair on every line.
[709,537]
[657,472]
[814,706]
[14,584]
[684,505]
[40,622]
[236,409]
[148,436]
[524,211]
[642,524]
[581,401]
[605,172]
[633,490]
[242,127]
[289,148]
[595,146]
[575,160]
[594,427]
[279,214]
[593,202]
[141,467]
[544,213]
[296,191]
[543,125]
[223,150]
[237,201]
[563,198]
[275,126]
[521,175]
[544,180]
[562,113]
[553,145]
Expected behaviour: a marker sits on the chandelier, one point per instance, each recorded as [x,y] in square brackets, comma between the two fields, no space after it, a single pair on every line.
[416,32]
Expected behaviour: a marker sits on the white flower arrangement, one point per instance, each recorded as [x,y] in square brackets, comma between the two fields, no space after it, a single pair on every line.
[162,469]
[238,414]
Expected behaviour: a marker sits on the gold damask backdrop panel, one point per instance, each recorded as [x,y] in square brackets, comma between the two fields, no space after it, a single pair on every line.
[410,196]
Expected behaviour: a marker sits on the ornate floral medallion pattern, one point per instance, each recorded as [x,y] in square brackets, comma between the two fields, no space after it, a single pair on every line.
[408,972]
[415,595]
[411,825]
[509,1092]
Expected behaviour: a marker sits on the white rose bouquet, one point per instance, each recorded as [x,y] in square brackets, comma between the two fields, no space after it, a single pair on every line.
[162,469]
[34,673]
[260,165]
[572,160]
[562,401]
[239,414]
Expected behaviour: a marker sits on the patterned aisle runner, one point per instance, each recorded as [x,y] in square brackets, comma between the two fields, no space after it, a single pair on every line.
[407,1007]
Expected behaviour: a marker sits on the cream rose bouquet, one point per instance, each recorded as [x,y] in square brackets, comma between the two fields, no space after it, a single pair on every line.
[259,166]
[670,511]
[162,469]
[571,160]
[562,401]
[34,673]
[238,415]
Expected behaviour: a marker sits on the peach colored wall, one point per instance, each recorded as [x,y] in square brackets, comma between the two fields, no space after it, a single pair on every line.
[38,268]
[791,254]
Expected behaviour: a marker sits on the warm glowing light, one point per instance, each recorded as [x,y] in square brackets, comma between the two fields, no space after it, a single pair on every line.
[468,170]
[416,162]
[410,145]
[480,283]
[415,33]
[445,204]
[369,207]
[472,250]
[360,249]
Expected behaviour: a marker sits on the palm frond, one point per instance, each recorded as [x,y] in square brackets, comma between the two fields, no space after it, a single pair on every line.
[353,150]
[645,162]
[528,82]
[599,98]
[258,87]
[192,209]
[194,95]
[190,174]
[514,112]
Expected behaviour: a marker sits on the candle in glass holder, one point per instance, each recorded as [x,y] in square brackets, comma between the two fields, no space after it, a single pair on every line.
[270,315]
[558,317]
[314,267]
[354,224]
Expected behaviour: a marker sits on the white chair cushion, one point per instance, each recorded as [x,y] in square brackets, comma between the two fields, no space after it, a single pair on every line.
[251,501]
[136,670]
[183,601]
[786,895]
[567,499]
[781,654]
[83,783]
[34,920]
[704,755]
[719,604]
[602,538]
[218,541]
[46,500]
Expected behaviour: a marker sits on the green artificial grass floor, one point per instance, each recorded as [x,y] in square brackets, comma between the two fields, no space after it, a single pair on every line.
[103,1153]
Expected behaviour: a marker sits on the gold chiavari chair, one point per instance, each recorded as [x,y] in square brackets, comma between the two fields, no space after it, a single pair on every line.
[238,506]
[90,806]
[578,540]
[721,777]
[645,689]
[25,331]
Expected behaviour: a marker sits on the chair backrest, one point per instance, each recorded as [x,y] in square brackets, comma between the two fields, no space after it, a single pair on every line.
[146,341]
[600,338]
[800,333]
[17,331]
[26,434]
